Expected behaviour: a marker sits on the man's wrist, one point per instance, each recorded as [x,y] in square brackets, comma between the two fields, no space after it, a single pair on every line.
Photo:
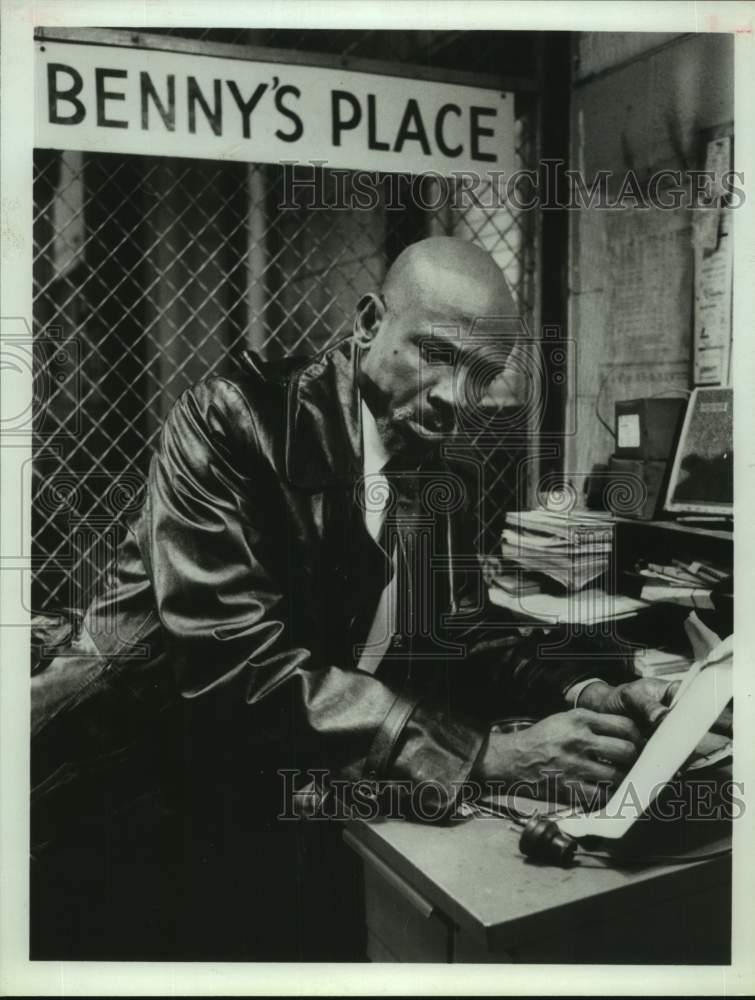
[494,762]
[586,693]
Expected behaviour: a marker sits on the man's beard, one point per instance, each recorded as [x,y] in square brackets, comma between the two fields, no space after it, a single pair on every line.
[401,439]
[398,435]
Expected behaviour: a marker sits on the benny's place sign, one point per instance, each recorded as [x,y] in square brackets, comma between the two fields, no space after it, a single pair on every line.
[102,98]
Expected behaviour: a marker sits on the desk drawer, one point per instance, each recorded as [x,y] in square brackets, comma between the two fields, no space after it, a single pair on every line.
[402,926]
[396,930]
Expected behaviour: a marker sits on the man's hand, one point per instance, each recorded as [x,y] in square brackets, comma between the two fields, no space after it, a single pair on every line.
[646,701]
[577,750]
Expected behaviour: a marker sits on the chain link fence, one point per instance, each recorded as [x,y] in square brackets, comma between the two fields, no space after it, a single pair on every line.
[149,272]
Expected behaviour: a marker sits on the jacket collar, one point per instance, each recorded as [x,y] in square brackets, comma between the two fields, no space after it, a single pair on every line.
[323,421]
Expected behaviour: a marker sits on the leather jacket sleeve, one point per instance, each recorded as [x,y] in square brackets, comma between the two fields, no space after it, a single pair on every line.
[214,541]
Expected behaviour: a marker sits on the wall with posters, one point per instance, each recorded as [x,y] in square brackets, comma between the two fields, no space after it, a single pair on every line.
[644,110]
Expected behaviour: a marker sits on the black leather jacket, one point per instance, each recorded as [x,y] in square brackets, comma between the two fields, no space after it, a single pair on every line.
[242,585]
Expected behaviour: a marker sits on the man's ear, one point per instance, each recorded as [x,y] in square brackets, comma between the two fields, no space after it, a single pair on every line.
[369,314]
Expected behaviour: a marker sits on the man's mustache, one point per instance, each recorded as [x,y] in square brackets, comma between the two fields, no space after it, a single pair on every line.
[432,420]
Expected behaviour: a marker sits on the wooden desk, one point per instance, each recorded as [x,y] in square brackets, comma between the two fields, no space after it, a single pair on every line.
[464,893]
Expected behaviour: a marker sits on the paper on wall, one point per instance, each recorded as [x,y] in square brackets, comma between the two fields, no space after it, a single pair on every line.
[649,274]
[713,286]
[717,163]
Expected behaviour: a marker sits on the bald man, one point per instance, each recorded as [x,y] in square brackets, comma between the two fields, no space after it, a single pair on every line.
[261,586]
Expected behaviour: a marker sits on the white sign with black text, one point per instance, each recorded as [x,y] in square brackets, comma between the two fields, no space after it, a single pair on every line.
[101,98]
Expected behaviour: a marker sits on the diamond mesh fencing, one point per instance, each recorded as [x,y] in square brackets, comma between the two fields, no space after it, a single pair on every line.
[149,272]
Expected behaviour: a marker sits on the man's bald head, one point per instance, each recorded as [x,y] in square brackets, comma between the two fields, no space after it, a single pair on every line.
[450,277]
[444,312]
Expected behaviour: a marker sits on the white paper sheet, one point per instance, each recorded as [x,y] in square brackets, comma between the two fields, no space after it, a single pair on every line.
[667,749]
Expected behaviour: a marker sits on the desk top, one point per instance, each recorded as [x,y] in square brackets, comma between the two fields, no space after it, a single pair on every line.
[473,872]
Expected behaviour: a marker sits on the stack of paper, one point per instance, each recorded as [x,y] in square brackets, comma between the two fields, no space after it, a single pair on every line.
[661,663]
[589,607]
[688,584]
[572,549]
[515,583]
[569,525]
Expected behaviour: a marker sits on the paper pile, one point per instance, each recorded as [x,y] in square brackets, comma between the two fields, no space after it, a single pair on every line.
[573,549]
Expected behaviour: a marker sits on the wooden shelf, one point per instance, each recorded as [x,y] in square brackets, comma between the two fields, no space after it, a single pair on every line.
[720,533]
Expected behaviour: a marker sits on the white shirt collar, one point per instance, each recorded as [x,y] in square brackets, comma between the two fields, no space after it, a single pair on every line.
[374,458]
[373,450]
